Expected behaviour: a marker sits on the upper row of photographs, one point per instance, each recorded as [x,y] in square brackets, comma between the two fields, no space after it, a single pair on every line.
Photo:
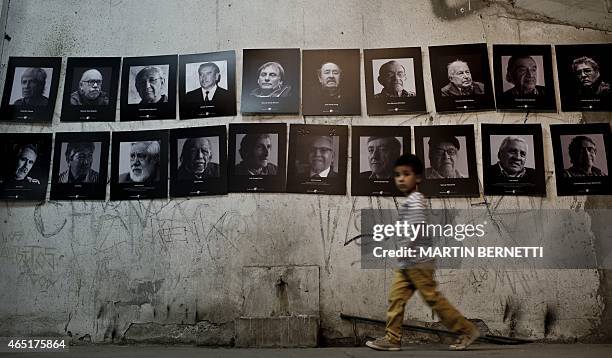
[329,82]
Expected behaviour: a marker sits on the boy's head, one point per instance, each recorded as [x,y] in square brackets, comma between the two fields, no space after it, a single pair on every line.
[407,173]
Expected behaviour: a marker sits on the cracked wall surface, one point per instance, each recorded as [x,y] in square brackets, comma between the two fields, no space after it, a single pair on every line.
[172,270]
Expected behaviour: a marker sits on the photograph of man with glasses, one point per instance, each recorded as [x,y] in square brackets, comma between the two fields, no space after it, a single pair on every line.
[89,92]
[443,155]
[151,85]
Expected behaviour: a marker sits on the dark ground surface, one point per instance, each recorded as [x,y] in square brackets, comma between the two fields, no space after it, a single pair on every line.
[538,350]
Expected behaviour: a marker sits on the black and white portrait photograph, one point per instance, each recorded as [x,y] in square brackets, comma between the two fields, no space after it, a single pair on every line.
[80,166]
[513,159]
[317,159]
[198,159]
[524,78]
[271,81]
[331,82]
[207,85]
[257,157]
[27,157]
[139,165]
[394,81]
[148,88]
[585,77]
[461,78]
[374,151]
[30,89]
[449,157]
[90,89]
[582,158]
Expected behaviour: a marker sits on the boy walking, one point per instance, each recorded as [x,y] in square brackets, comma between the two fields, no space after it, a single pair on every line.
[416,274]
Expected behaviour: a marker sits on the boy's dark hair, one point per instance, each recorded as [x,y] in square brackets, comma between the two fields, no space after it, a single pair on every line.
[412,161]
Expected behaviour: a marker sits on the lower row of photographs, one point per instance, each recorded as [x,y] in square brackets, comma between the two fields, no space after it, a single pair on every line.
[253,158]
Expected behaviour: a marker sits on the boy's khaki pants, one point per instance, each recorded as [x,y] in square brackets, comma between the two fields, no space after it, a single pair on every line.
[420,277]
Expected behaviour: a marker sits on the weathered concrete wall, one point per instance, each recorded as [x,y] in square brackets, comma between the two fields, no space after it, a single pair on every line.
[173,270]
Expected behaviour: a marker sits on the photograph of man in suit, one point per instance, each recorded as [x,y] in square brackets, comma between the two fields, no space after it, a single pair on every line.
[209,93]
[321,158]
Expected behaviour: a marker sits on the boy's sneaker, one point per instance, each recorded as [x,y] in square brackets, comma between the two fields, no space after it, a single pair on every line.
[383,344]
[465,341]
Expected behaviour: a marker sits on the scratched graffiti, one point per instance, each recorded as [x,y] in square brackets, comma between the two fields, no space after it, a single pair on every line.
[36,264]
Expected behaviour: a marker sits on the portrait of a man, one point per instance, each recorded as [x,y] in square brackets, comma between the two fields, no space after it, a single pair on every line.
[511,165]
[392,76]
[32,82]
[460,81]
[150,83]
[79,157]
[254,150]
[90,91]
[196,160]
[330,77]
[443,152]
[382,152]
[209,92]
[25,157]
[522,74]
[588,78]
[582,152]
[321,158]
[144,163]
[271,81]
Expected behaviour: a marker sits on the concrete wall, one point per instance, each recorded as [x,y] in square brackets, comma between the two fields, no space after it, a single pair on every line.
[173,270]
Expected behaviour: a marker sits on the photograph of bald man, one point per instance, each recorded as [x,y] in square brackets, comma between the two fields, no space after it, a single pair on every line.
[90,91]
[392,76]
[460,81]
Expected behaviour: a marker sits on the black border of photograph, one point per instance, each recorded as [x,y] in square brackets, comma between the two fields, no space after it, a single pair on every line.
[362,184]
[348,101]
[253,182]
[296,181]
[197,186]
[140,112]
[513,187]
[581,185]
[80,191]
[448,187]
[286,99]
[23,113]
[137,191]
[571,99]
[477,58]
[223,103]
[91,113]
[543,103]
[411,102]
[9,190]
